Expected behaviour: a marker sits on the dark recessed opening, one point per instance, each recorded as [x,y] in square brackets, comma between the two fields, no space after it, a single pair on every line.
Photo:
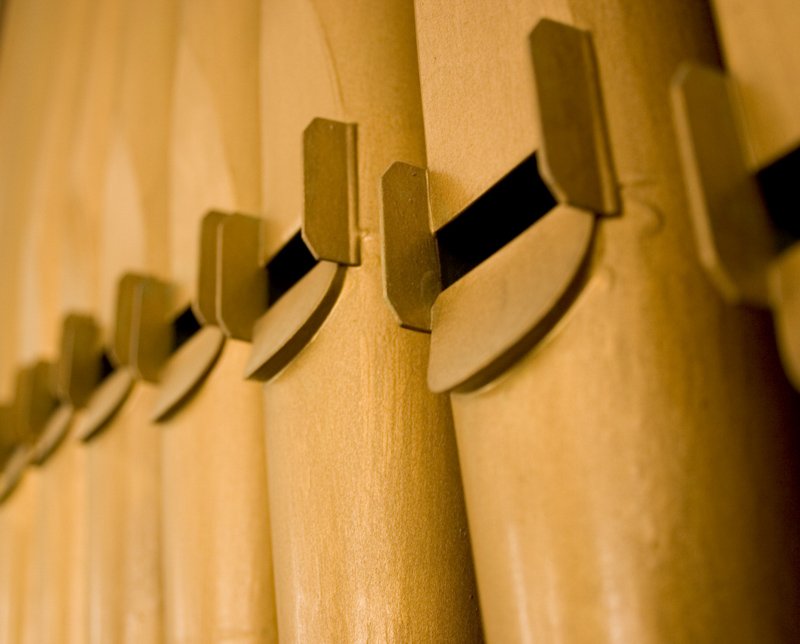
[288,266]
[780,186]
[504,211]
[185,326]
[106,366]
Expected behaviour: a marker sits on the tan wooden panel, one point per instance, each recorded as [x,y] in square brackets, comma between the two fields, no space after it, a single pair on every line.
[18,617]
[759,41]
[477,93]
[38,122]
[60,546]
[123,526]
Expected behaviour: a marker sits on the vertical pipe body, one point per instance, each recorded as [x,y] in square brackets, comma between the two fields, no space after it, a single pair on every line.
[18,620]
[123,530]
[218,565]
[633,478]
[217,556]
[368,525]
[61,541]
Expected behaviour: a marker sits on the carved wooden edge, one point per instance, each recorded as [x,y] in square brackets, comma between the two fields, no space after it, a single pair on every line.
[575,155]
[501,309]
[105,402]
[53,434]
[282,332]
[186,370]
[13,470]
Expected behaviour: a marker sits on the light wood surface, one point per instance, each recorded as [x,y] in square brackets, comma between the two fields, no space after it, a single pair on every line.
[123,481]
[759,43]
[18,617]
[60,541]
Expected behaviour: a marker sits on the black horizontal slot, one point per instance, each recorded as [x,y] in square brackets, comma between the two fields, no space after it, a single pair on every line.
[500,214]
[780,186]
[185,326]
[288,266]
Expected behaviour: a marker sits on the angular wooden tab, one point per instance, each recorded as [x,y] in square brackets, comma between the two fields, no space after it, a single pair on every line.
[79,364]
[574,158]
[501,309]
[205,304]
[290,324]
[241,280]
[734,235]
[411,274]
[186,369]
[330,178]
[105,402]
[123,318]
[35,399]
[53,434]
[152,336]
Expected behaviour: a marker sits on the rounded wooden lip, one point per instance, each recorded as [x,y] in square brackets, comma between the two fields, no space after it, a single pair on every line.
[496,313]
[289,325]
[53,434]
[13,470]
[105,402]
[186,369]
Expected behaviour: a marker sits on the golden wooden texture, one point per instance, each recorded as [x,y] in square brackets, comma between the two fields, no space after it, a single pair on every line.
[18,617]
[123,483]
[759,41]
[217,556]
[368,525]
[60,540]
[629,479]
[218,582]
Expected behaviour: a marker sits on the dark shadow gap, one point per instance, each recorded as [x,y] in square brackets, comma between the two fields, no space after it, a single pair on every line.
[780,187]
[184,327]
[490,222]
[287,267]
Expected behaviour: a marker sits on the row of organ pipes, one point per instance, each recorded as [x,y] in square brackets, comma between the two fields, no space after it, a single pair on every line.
[257,386]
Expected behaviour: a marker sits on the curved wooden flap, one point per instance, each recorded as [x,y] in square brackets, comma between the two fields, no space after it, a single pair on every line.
[12,472]
[53,433]
[289,325]
[186,369]
[105,402]
[497,312]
